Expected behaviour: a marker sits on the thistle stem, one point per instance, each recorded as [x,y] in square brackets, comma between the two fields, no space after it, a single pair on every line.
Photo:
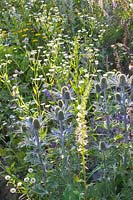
[106,111]
[38,150]
[61,135]
[125,121]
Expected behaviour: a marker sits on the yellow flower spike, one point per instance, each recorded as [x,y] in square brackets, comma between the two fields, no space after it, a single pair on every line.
[37,34]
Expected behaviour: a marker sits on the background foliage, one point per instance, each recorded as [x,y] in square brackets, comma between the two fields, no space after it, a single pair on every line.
[66,99]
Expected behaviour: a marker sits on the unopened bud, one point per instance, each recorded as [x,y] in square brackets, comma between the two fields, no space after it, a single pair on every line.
[122,80]
[103,83]
[36,124]
[60,115]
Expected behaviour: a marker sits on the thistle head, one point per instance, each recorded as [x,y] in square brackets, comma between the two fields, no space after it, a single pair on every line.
[103,83]
[98,88]
[122,80]
[102,146]
[64,89]
[60,103]
[57,109]
[67,95]
[118,97]
[31,120]
[60,115]
[36,124]
[24,129]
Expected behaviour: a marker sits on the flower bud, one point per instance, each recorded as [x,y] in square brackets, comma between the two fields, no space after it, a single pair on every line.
[60,115]
[36,124]
[103,83]
[118,97]
[122,80]
[98,88]
[102,146]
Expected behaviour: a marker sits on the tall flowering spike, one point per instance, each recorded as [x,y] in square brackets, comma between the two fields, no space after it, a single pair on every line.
[98,88]
[118,97]
[103,83]
[36,124]
[122,80]
[60,103]
[60,115]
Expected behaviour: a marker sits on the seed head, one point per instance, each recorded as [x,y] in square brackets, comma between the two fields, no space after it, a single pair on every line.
[36,124]
[103,83]
[60,115]
[122,80]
